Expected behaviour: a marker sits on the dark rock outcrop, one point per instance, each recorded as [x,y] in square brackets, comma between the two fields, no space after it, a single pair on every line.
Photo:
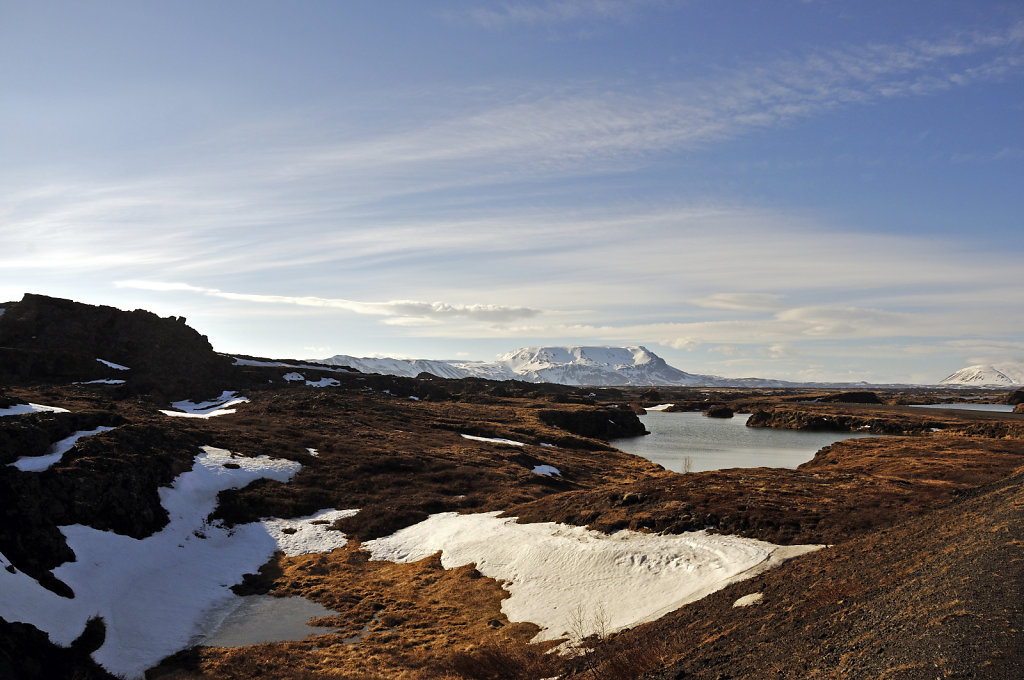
[719,411]
[597,423]
[1015,397]
[26,653]
[51,340]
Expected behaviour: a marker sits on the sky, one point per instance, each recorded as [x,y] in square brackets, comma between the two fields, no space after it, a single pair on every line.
[806,190]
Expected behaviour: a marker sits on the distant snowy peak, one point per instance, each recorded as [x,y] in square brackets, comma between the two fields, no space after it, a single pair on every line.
[1006,374]
[573,365]
[410,368]
[580,365]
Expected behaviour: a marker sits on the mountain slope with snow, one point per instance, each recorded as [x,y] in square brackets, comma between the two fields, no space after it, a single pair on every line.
[595,366]
[1006,374]
[571,365]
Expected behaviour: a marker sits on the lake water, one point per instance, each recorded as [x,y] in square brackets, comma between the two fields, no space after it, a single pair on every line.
[995,408]
[719,443]
[255,619]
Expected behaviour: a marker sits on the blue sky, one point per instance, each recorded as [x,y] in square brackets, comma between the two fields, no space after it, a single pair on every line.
[805,190]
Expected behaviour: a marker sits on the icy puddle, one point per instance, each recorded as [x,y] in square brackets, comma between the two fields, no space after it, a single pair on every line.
[558,574]
[256,619]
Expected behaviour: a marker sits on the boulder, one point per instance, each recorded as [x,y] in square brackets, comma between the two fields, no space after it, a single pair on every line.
[719,411]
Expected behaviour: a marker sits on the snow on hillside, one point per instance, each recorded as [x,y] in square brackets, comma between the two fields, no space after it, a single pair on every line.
[573,365]
[595,366]
[1005,374]
[554,571]
[410,368]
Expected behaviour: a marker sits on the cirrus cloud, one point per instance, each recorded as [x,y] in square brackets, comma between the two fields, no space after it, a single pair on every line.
[403,312]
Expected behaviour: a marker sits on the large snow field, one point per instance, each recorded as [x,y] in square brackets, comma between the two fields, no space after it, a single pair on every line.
[158,594]
[559,574]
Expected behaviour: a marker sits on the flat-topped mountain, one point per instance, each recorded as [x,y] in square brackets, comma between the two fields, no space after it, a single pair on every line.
[565,365]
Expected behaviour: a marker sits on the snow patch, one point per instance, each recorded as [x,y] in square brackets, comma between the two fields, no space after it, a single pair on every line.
[155,594]
[56,452]
[294,377]
[493,440]
[748,600]
[111,364]
[659,407]
[323,382]
[206,409]
[22,409]
[553,571]
[310,534]
[546,470]
[101,381]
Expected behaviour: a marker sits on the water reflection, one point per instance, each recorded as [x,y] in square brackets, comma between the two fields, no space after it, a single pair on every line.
[255,619]
[692,442]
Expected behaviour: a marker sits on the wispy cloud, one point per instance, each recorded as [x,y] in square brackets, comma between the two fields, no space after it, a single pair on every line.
[567,129]
[739,301]
[402,312]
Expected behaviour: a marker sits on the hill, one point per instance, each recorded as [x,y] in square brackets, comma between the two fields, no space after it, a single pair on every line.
[1007,374]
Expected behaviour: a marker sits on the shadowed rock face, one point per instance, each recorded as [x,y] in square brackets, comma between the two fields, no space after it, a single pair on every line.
[51,340]
[719,411]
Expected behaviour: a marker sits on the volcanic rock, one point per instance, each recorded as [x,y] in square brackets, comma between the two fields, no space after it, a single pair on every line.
[719,411]
[51,340]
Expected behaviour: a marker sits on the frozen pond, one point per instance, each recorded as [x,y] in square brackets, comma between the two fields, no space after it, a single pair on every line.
[256,619]
[995,408]
[690,441]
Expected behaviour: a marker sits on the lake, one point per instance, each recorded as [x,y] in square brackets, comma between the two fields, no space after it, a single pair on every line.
[719,443]
[995,408]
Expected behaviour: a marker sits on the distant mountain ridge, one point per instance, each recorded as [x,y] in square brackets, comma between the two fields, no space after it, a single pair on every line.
[1005,374]
[633,365]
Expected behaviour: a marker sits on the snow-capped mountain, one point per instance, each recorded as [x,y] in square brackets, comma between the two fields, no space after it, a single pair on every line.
[595,366]
[1006,374]
[410,368]
[575,365]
